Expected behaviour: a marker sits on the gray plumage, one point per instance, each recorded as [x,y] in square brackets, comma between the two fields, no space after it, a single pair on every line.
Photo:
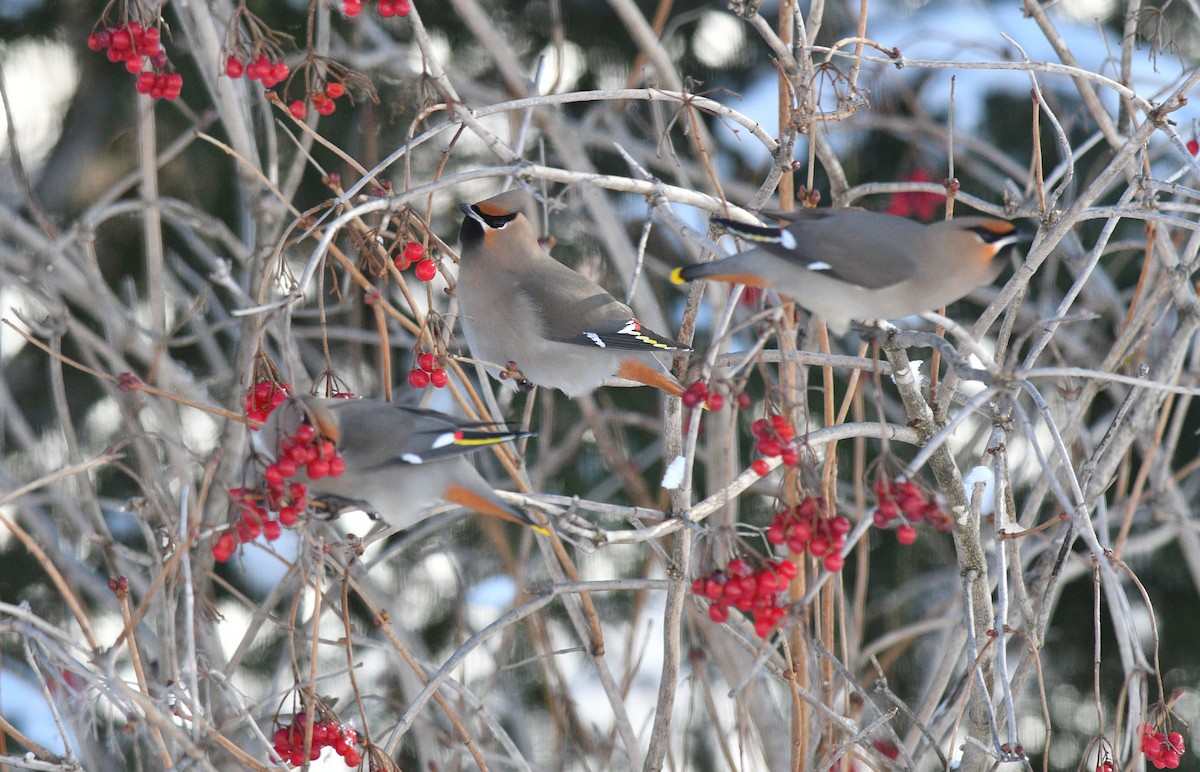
[521,305]
[400,461]
[847,264]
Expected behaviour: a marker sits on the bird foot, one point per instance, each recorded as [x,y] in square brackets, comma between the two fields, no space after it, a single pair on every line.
[512,371]
[870,330]
[332,507]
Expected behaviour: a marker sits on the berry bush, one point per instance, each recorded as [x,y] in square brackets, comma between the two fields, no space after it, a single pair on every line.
[823,555]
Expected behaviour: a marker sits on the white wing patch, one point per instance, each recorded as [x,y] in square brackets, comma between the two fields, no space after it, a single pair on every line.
[787,240]
[411,458]
[442,440]
[818,266]
[596,339]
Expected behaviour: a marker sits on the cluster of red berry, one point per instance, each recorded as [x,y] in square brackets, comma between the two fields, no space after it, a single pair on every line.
[758,592]
[285,497]
[697,394]
[318,457]
[906,498]
[804,528]
[262,69]
[386,8]
[253,519]
[414,254]
[326,733]
[1163,750]
[265,397]
[774,437]
[322,101]
[428,370]
[137,46]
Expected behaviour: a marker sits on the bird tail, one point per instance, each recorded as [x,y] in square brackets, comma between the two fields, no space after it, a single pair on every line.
[643,372]
[485,501]
[733,270]
[479,437]
[759,234]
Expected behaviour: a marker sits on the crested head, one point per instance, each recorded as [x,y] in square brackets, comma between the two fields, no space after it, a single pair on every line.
[977,248]
[504,204]
[496,221]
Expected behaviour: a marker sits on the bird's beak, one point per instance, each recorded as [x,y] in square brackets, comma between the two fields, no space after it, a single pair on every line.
[469,211]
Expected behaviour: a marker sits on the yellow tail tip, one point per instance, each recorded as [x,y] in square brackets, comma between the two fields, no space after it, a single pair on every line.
[677,276]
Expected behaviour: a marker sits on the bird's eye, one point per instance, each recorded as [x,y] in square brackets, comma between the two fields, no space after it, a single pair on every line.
[497,221]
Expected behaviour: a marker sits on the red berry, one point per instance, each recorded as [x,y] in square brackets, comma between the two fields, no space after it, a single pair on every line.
[120,39]
[326,106]
[743,401]
[93,42]
[691,400]
[145,82]
[173,86]
[906,534]
[439,378]
[352,7]
[418,379]
[761,467]
[714,402]
[426,270]
[223,548]
[298,109]
[768,447]
[789,456]
[718,614]
[1193,146]
[402,7]
[413,252]
[286,467]
[834,562]
[427,361]
[334,90]
[135,62]
[289,515]
[386,9]
[305,434]
[272,530]
[760,428]
[352,758]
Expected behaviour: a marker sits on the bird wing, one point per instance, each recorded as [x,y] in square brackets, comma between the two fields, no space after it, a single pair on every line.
[816,237]
[413,435]
[576,310]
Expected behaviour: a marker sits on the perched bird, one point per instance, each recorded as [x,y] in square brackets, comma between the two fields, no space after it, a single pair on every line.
[557,328]
[399,461]
[848,264]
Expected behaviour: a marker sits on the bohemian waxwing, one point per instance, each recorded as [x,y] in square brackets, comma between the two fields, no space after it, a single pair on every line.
[847,264]
[558,328]
[400,461]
